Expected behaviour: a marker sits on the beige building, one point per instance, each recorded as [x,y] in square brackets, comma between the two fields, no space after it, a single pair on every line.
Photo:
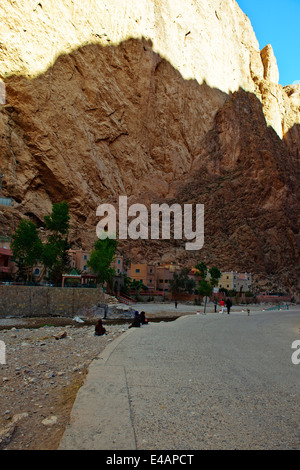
[241,282]
[164,274]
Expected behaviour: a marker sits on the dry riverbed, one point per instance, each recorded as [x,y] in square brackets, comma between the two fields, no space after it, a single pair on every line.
[40,380]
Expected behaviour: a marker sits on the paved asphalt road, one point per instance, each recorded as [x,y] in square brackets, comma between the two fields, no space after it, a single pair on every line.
[201,382]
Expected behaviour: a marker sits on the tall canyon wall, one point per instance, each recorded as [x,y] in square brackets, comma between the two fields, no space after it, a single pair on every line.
[159,100]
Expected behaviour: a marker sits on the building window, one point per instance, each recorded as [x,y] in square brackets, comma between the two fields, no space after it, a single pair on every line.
[137,270]
[118,271]
[84,268]
[119,261]
[85,256]
[36,271]
[150,281]
[161,281]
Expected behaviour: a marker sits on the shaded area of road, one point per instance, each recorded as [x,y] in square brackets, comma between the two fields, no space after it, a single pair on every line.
[201,382]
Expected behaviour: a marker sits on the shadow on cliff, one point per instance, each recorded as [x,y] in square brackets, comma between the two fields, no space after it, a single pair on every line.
[115,120]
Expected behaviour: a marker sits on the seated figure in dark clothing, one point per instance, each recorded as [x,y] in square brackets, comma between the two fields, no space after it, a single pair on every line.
[99,329]
[144,320]
[136,322]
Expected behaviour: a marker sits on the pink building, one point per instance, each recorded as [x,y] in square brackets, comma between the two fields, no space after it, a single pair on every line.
[79,259]
[7,266]
[118,265]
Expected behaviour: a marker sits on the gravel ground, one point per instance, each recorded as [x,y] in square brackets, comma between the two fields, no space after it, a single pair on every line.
[40,380]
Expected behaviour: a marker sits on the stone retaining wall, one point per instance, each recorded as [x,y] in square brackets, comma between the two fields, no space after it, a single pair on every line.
[31,301]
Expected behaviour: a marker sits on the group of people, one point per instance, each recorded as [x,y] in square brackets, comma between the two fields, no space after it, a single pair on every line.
[227,304]
[139,319]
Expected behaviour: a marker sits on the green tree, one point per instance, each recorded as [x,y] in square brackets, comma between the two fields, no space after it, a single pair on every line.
[55,256]
[202,270]
[27,247]
[215,275]
[181,282]
[224,291]
[126,284]
[205,289]
[101,257]
[137,286]
[58,222]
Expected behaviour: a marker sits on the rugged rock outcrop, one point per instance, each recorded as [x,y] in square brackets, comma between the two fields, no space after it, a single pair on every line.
[158,100]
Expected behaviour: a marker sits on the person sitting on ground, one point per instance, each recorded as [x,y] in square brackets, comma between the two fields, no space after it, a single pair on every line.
[99,329]
[144,320]
[136,322]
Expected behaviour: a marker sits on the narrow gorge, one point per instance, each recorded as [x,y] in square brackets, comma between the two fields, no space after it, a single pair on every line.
[162,101]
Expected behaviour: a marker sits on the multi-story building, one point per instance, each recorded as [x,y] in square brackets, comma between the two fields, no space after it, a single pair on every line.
[240,282]
[118,265]
[7,266]
[164,275]
[154,277]
[145,273]
[79,260]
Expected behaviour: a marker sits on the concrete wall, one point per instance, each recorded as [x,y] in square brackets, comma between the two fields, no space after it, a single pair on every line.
[31,301]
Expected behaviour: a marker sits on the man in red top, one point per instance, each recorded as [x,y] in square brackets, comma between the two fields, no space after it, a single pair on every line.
[222,304]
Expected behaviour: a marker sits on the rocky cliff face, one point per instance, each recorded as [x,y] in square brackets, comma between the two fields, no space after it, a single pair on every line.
[157,100]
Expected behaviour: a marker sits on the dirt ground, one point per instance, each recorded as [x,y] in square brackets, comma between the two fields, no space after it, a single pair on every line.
[43,373]
[40,380]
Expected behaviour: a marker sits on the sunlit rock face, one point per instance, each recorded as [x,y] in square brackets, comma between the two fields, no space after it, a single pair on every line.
[107,98]
[204,40]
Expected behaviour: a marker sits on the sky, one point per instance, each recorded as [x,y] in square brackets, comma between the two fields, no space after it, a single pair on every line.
[277,22]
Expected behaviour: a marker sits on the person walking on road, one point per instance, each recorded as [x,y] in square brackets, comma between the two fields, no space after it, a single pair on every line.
[228,305]
[222,305]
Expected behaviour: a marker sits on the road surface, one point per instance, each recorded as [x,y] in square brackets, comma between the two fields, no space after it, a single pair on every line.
[201,382]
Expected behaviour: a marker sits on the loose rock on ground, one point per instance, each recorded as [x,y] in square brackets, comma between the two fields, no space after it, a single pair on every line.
[44,369]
